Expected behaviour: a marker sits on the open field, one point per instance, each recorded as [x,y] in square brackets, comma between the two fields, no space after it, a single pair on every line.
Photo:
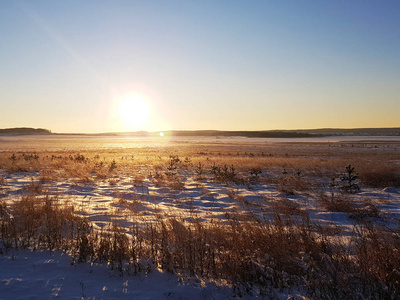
[314,218]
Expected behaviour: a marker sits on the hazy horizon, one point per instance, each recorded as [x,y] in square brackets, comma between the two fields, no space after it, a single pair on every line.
[315,130]
[127,66]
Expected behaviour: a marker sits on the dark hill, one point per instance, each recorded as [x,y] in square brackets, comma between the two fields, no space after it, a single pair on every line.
[24,131]
[264,134]
[394,131]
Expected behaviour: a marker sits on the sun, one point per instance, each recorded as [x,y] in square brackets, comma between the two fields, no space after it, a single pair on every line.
[133,112]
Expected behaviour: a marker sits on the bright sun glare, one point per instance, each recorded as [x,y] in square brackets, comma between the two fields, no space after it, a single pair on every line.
[134,112]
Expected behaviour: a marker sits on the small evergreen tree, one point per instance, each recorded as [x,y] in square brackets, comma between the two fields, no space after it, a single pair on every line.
[349,178]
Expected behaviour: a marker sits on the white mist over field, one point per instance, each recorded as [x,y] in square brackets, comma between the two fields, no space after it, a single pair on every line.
[131,198]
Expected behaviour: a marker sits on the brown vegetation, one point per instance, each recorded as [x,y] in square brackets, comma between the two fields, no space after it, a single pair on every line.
[256,255]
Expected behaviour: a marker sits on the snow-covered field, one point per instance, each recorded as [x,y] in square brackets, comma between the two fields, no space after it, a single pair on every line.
[132,183]
[49,275]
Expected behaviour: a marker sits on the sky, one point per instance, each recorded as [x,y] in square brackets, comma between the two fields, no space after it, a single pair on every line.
[123,65]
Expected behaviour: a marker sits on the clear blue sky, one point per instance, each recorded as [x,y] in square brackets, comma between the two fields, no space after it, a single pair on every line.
[70,66]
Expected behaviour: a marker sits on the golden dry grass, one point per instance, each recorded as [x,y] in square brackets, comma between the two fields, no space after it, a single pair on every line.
[247,251]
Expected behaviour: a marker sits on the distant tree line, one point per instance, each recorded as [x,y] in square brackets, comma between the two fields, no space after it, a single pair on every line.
[24,131]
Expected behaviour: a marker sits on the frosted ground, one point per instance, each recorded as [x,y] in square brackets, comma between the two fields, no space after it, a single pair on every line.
[129,199]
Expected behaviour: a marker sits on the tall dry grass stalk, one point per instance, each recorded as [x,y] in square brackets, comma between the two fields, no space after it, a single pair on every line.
[255,256]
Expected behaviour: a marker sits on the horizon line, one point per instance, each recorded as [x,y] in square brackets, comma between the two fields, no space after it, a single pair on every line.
[204,130]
